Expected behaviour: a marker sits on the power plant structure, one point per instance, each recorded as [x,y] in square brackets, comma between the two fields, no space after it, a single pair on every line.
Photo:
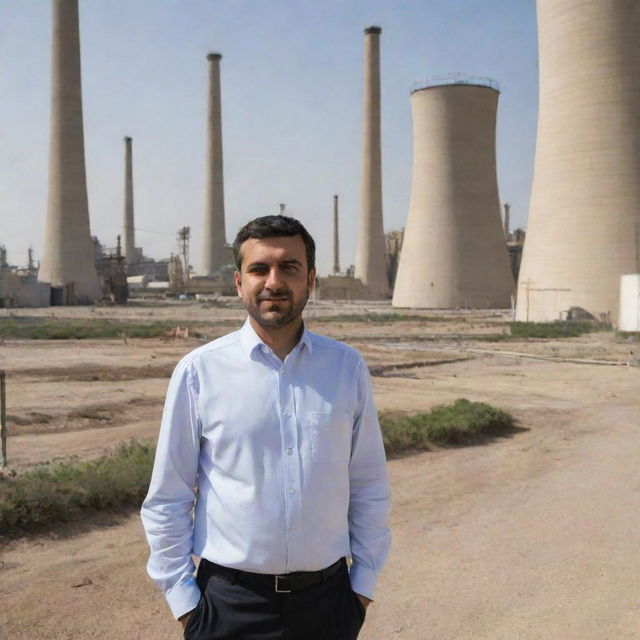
[214,233]
[68,262]
[370,262]
[583,232]
[129,229]
[453,253]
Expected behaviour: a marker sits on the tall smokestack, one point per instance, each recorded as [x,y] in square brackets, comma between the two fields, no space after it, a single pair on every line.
[506,221]
[370,253]
[129,230]
[214,228]
[336,237]
[69,253]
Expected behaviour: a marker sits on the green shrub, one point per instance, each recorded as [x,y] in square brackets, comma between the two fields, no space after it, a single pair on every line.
[463,422]
[382,318]
[66,491]
[554,329]
[629,336]
[39,328]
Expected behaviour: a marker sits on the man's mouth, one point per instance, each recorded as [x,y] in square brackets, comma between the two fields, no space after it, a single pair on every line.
[273,299]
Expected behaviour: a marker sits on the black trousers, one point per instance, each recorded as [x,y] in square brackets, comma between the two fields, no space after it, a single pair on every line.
[234,611]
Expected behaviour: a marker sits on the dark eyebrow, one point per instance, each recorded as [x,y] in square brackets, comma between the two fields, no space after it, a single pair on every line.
[264,265]
[255,265]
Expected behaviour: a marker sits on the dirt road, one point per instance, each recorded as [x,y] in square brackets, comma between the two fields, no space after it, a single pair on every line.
[534,536]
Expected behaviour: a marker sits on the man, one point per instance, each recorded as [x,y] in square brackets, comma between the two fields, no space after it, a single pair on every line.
[272,433]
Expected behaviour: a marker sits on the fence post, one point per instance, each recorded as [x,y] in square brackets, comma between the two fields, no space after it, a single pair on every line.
[3,421]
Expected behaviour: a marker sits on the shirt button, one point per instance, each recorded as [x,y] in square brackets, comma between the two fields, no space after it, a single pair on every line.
[292,491]
[293,527]
[289,451]
[286,414]
[281,371]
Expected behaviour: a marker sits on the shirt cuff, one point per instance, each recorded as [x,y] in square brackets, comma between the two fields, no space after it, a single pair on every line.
[183,597]
[363,580]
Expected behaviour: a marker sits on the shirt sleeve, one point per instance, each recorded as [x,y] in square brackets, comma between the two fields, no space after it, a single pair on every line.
[369,493]
[167,512]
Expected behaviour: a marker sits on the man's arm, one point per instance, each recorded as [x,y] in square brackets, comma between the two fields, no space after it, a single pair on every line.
[167,510]
[369,493]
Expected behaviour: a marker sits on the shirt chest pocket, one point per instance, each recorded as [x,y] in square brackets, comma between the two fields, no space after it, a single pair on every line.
[330,436]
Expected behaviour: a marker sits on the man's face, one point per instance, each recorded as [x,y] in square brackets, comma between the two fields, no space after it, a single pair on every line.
[274,281]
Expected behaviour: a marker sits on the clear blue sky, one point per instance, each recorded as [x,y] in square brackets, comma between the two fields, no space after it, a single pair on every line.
[291,108]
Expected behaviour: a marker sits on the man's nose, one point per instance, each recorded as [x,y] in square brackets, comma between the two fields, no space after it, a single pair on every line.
[273,280]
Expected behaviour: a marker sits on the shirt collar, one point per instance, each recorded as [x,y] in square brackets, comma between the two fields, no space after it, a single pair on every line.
[251,341]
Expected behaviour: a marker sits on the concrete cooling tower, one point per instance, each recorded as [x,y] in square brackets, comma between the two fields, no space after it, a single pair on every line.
[454,253]
[69,255]
[584,219]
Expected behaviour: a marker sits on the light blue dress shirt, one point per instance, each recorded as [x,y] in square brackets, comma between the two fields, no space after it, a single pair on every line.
[287,459]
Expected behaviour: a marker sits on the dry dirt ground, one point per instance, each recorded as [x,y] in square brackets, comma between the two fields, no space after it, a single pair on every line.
[531,536]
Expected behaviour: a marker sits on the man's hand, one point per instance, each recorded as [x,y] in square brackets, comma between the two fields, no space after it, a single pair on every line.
[184,619]
[365,601]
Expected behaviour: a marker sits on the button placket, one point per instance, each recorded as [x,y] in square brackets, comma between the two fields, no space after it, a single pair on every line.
[290,469]
[293,464]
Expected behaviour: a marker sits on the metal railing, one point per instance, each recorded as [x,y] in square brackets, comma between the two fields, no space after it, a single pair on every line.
[457,77]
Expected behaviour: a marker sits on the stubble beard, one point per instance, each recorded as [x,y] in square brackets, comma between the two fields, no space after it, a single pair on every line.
[278,321]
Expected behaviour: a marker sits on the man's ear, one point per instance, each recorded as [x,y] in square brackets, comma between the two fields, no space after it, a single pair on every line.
[311,279]
[238,281]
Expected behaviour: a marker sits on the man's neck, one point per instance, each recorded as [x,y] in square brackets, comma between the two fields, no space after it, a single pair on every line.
[281,340]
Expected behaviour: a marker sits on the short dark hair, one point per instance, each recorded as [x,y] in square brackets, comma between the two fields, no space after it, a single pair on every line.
[272,227]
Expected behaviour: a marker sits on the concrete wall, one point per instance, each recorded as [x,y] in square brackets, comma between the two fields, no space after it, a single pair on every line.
[23,291]
[340,288]
[584,220]
[454,253]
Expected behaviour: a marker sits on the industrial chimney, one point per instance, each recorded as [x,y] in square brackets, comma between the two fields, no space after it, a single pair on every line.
[129,229]
[506,220]
[336,237]
[454,254]
[69,255]
[370,257]
[214,233]
[584,216]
